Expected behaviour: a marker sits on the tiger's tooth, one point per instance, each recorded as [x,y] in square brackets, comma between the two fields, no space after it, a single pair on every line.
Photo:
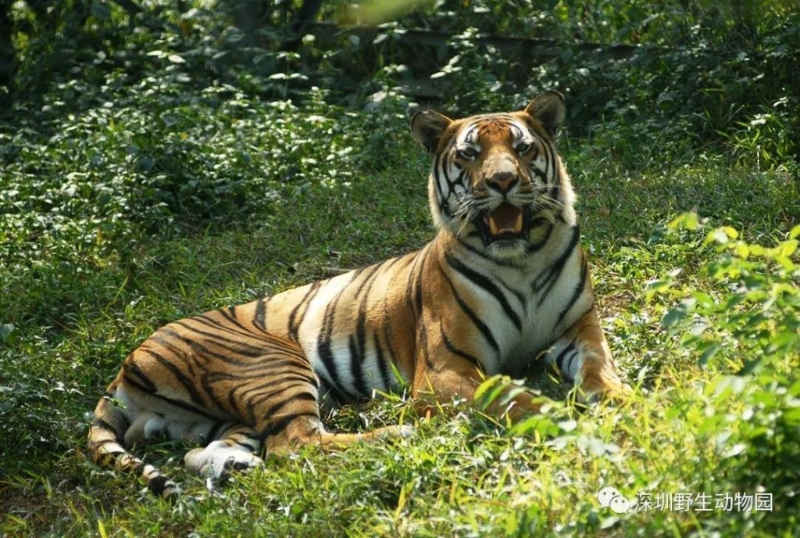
[518,223]
[493,227]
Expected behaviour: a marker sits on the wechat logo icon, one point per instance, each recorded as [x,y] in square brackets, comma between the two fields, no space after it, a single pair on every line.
[610,497]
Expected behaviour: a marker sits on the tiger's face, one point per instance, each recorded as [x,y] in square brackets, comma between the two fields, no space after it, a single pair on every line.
[495,175]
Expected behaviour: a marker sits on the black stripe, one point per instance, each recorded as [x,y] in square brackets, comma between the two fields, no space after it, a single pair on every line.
[201,351]
[255,396]
[561,356]
[550,275]
[413,285]
[236,401]
[423,345]
[234,345]
[182,404]
[252,447]
[540,174]
[130,367]
[276,378]
[576,294]
[211,393]
[382,366]
[215,430]
[216,325]
[368,279]
[486,284]
[328,390]
[159,483]
[553,164]
[535,247]
[356,356]
[483,254]
[294,323]
[186,381]
[273,409]
[458,352]
[102,424]
[260,316]
[278,426]
[357,345]
[324,343]
[230,315]
[482,327]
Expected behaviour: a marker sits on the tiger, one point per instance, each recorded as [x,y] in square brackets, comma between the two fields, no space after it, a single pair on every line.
[503,284]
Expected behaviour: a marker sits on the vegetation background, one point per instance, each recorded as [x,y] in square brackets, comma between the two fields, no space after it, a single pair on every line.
[161,158]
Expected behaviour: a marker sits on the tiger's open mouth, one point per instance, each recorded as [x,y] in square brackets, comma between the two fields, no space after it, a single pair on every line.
[504,222]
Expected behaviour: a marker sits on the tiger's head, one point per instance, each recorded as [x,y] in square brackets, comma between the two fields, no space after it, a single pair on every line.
[496,178]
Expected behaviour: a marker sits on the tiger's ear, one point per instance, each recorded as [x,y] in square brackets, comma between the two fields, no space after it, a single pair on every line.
[548,107]
[427,127]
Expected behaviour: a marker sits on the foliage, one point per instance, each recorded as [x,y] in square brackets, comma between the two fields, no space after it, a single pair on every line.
[751,318]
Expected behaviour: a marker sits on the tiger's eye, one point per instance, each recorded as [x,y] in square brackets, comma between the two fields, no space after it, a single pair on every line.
[524,148]
[467,153]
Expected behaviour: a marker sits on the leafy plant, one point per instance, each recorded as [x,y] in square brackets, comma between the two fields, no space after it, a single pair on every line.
[751,317]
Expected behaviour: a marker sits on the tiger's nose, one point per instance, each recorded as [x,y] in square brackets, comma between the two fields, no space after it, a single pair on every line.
[502,182]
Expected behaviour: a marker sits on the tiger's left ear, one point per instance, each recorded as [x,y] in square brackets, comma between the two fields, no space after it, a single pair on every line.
[549,108]
[427,127]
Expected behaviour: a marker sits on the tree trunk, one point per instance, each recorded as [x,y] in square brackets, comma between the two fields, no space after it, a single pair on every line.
[7,58]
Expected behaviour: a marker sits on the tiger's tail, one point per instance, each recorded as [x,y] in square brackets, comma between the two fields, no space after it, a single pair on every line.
[106,447]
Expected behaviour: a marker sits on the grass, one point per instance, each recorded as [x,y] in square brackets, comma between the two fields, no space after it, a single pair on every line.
[461,474]
[172,200]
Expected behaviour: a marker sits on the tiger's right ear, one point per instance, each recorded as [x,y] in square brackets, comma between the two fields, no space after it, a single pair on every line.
[427,127]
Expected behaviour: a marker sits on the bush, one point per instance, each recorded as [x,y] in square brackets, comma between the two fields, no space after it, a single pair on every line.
[750,319]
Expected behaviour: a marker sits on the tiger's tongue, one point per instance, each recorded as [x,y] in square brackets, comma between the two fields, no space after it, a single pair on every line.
[505,219]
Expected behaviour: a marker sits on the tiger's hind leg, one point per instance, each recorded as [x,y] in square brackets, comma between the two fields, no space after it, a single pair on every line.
[276,409]
[237,447]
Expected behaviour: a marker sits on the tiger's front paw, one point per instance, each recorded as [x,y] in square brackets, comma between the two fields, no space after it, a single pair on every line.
[594,389]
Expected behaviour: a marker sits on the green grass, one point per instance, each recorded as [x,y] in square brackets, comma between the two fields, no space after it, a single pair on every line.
[125,204]
[462,473]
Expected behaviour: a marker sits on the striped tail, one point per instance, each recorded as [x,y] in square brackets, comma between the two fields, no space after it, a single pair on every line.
[106,448]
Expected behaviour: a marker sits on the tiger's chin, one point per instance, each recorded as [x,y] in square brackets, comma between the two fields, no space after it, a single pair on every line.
[509,251]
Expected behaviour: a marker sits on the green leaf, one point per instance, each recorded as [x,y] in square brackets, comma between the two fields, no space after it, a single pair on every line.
[6,332]
[783,341]
[654,287]
[721,236]
[749,367]
[688,221]
[704,300]
[485,386]
[709,352]
[792,416]
[101,11]
[684,309]
[742,250]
